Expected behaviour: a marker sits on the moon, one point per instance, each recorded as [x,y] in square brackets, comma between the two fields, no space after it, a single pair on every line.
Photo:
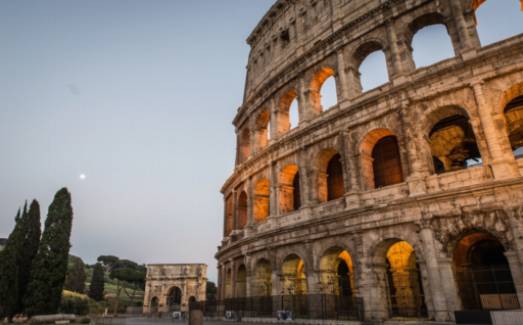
[82,177]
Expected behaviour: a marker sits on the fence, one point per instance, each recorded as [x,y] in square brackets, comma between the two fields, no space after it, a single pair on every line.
[313,306]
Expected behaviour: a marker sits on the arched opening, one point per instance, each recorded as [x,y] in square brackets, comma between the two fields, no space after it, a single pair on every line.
[431,42]
[262,279]
[386,162]
[263,130]
[289,189]
[288,115]
[241,282]
[453,144]
[174,299]
[337,275]
[514,117]
[261,208]
[335,186]
[154,305]
[193,303]
[242,210]
[483,274]
[228,284]
[244,145]
[490,27]
[405,289]
[330,176]
[372,66]
[323,90]
[229,217]
[294,286]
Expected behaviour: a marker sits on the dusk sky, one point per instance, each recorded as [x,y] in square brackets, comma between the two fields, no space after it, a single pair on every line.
[129,104]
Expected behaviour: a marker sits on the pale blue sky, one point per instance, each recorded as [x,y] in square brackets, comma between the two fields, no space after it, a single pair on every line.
[139,96]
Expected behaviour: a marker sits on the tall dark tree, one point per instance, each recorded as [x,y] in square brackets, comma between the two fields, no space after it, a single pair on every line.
[96,288]
[9,293]
[75,278]
[50,264]
[32,233]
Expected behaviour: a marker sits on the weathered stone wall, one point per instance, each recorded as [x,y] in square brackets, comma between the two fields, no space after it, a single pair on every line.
[161,279]
[431,211]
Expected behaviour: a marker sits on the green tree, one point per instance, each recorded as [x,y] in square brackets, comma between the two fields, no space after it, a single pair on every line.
[96,288]
[50,264]
[9,293]
[32,233]
[75,277]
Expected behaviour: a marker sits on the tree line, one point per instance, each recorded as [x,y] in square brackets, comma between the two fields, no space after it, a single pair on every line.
[33,264]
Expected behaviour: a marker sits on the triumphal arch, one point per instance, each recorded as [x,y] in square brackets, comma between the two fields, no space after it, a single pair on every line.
[172,287]
[403,200]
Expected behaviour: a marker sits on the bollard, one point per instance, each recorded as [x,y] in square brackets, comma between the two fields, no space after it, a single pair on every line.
[196,317]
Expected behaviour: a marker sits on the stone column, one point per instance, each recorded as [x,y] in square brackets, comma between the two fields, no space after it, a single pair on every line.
[372,287]
[502,163]
[306,111]
[353,80]
[306,182]
[399,59]
[465,27]
[450,290]
[234,210]
[250,200]
[273,111]
[441,312]
[517,273]
[343,84]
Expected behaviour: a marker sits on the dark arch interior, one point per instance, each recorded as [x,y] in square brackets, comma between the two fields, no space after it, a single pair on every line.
[387,162]
[174,299]
[335,187]
[343,274]
[483,274]
[296,191]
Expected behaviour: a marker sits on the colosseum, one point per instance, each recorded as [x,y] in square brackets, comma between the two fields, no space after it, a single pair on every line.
[404,201]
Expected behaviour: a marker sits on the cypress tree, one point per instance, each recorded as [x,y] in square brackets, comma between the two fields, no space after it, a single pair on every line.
[49,267]
[9,294]
[75,278]
[96,288]
[29,248]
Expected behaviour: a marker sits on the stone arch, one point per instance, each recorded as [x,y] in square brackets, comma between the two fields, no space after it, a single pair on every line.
[262,284]
[361,54]
[261,206]
[399,275]
[244,144]
[512,105]
[242,210]
[174,299]
[380,159]
[289,186]
[330,175]
[482,272]
[451,140]
[316,86]
[241,281]
[285,111]
[337,272]
[430,20]
[154,305]
[229,215]
[294,276]
[263,129]
[482,11]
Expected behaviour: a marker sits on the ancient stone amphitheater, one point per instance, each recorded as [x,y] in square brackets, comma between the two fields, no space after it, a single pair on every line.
[402,201]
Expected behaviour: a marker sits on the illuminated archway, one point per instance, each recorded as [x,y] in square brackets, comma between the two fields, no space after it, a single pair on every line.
[241,282]
[323,92]
[261,208]
[229,216]
[242,210]
[483,274]
[405,288]
[262,130]
[289,198]
[288,113]
[294,278]
[330,176]
[244,145]
[174,299]
[514,117]
[262,279]
[337,272]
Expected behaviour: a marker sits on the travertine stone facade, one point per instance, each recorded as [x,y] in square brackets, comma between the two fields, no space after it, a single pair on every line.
[414,177]
[170,287]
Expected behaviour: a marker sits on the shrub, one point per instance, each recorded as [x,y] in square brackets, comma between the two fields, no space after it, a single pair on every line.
[74,305]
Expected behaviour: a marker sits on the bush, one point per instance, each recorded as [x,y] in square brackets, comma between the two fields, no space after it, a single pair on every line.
[74,305]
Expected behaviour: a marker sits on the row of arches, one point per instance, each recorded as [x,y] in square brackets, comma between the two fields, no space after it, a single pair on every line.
[450,139]
[173,302]
[429,38]
[481,273]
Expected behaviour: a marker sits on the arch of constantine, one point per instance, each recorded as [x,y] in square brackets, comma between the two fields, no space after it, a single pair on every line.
[405,199]
[172,287]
